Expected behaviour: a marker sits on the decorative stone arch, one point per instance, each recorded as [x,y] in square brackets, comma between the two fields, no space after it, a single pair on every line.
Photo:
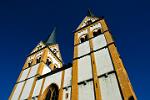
[83,38]
[97,32]
[38,59]
[30,62]
[51,92]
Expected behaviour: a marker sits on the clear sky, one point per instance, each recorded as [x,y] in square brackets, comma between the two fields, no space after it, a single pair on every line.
[23,23]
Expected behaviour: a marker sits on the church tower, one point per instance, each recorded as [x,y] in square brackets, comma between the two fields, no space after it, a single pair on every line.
[44,58]
[98,72]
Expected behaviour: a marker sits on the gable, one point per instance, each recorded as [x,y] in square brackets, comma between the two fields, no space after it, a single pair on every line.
[55,49]
[38,47]
[85,21]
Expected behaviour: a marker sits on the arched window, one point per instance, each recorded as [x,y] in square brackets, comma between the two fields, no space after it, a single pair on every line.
[83,38]
[38,60]
[97,32]
[30,63]
[88,22]
[52,93]
[48,62]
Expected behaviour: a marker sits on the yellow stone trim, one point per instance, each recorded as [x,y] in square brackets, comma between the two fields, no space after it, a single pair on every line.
[40,94]
[94,70]
[43,59]
[25,65]
[60,97]
[124,81]
[52,66]
[74,90]
[34,60]
[24,84]
[32,89]
[45,92]
[43,96]
[16,84]
[39,71]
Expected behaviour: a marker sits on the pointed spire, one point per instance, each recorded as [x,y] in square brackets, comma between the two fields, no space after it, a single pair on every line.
[90,13]
[52,38]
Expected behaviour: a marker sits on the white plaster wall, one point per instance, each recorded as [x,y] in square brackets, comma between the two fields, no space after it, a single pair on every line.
[37,88]
[97,25]
[86,92]
[67,78]
[65,92]
[33,71]
[54,59]
[83,48]
[24,74]
[109,88]
[99,42]
[55,78]
[27,88]
[84,68]
[85,31]
[103,61]
[17,91]
[46,69]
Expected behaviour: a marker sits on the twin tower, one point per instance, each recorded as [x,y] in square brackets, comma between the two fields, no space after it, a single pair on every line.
[96,72]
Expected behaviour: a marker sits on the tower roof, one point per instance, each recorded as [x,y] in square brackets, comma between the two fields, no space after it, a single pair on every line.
[52,37]
[89,13]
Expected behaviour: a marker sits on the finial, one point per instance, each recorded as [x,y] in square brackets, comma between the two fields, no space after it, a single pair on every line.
[52,37]
[90,13]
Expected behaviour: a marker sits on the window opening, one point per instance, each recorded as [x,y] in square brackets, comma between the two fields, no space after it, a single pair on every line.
[84,38]
[97,32]
[52,93]
[38,60]
[48,62]
[89,22]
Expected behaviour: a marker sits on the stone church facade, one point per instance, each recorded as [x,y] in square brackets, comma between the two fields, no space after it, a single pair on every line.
[96,72]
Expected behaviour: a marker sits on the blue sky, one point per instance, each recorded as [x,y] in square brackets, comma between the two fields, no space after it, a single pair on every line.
[23,23]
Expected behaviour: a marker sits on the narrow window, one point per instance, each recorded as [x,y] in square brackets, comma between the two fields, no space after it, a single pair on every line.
[29,64]
[48,62]
[86,37]
[38,60]
[67,95]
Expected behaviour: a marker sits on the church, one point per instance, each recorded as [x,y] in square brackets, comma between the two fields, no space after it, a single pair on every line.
[96,72]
